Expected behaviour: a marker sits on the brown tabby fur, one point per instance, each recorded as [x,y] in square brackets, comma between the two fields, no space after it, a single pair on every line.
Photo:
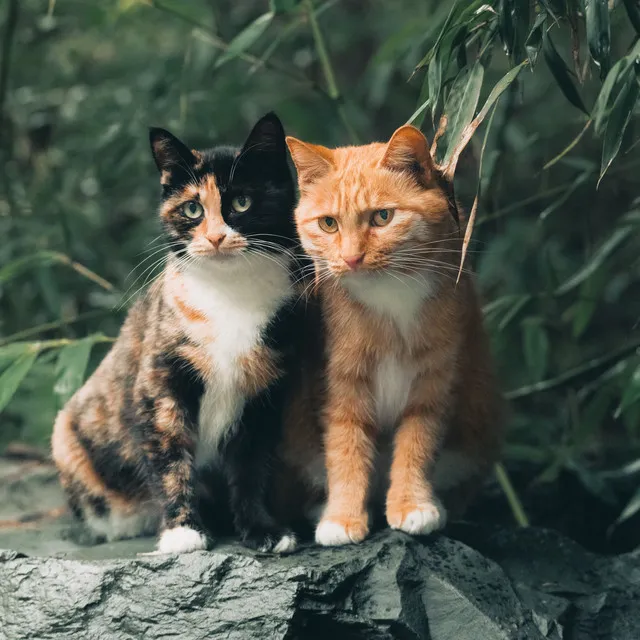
[399,334]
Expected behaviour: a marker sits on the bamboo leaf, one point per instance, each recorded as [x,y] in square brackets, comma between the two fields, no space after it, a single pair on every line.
[633,506]
[246,38]
[599,33]
[597,260]
[533,43]
[461,105]
[71,367]
[12,377]
[283,6]
[617,123]
[496,92]
[11,352]
[631,393]
[535,347]
[633,11]
[562,75]
[474,209]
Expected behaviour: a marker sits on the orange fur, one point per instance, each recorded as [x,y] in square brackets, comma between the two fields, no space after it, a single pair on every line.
[407,358]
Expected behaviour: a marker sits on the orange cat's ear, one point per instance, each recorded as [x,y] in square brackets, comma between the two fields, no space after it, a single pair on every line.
[408,150]
[312,160]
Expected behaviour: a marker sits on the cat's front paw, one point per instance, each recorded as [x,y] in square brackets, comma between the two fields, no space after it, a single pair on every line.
[179,540]
[269,539]
[417,519]
[333,532]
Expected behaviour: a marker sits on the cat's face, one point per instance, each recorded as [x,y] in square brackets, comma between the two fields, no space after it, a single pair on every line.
[369,208]
[221,204]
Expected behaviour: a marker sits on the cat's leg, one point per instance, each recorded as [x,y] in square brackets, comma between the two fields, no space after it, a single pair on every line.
[350,449]
[173,464]
[412,505]
[98,477]
[248,455]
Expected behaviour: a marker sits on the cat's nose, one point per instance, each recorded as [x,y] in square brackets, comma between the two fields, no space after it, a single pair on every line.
[216,239]
[353,262]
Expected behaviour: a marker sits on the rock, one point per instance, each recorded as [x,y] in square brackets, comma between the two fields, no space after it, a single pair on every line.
[475,583]
[519,584]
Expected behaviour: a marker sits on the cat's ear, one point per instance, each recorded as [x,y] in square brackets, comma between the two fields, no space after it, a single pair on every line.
[169,153]
[312,161]
[408,150]
[266,136]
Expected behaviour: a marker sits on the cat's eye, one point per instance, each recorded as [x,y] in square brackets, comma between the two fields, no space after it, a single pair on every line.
[192,209]
[381,217]
[241,203]
[328,224]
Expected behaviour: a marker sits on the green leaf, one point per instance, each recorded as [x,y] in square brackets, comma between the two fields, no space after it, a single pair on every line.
[432,52]
[535,347]
[597,259]
[633,11]
[424,100]
[599,33]
[283,6]
[11,352]
[533,43]
[246,38]
[461,105]
[631,393]
[633,506]
[71,367]
[17,266]
[562,75]
[12,377]
[617,123]
[515,309]
[615,80]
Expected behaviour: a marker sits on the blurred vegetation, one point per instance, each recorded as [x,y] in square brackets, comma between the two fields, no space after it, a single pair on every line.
[551,177]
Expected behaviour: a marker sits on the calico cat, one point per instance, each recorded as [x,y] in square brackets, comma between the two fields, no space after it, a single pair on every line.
[408,408]
[197,378]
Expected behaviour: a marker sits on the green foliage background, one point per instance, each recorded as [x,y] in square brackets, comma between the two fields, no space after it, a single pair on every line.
[556,253]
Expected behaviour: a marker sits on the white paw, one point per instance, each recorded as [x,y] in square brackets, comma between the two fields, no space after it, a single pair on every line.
[332,534]
[422,521]
[180,540]
[286,544]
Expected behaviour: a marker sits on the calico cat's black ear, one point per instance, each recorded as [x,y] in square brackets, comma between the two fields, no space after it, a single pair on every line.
[169,153]
[267,136]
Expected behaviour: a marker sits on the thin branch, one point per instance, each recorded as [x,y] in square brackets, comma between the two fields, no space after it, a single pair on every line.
[572,374]
[49,326]
[327,70]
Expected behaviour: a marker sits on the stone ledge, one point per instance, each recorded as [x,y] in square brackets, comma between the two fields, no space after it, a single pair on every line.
[496,584]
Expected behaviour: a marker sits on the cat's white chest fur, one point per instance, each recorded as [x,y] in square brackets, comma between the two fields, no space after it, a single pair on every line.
[238,304]
[400,298]
[391,387]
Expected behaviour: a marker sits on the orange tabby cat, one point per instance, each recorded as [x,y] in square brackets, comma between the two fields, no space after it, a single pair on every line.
[408,404]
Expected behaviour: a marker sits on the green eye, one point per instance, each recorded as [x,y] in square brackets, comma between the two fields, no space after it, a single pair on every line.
[241,203]
[328,224]
[381,217]
[192,209]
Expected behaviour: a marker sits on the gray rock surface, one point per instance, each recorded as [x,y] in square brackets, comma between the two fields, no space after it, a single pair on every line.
[472,584]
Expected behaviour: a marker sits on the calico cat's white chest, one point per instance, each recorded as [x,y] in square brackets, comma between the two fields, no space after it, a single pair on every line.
[233,311]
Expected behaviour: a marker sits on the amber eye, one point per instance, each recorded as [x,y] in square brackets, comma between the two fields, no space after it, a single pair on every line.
[241,203]
[328,224]
[192,210]
[382,217]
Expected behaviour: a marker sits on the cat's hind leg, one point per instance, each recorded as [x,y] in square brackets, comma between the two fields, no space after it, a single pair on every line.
[106,514]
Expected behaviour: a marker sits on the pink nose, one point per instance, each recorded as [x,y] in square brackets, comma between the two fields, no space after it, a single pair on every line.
[353,262]
[216,241]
